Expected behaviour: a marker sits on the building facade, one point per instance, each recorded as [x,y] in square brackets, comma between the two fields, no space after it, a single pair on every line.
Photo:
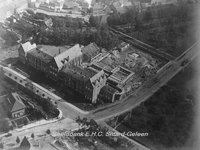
[84,81]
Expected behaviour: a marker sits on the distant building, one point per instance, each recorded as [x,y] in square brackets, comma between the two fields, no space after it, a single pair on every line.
[14,105]
[71,6]
[84,81]
[90,52]
[48,22]
[107,9]
[122,46]
[10,7]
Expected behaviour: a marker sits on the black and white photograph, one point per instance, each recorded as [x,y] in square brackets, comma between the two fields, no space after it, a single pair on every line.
[99,75]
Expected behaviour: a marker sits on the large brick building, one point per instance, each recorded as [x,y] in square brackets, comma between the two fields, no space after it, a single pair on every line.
[76,68]
[85,81]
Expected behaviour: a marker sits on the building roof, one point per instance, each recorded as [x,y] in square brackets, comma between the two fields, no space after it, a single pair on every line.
[109,89]
[13,102]
[107,9]
[47,52]
[48,22]
[68,55]
[25,145]
[98,75]
[34,142]
[40,55]
[28,46]
[97,6]
[121,45]
[78,72]
[70,4]
[91,50]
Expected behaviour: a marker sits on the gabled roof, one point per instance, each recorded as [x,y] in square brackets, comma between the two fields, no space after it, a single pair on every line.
[91,50]
[107,9]
[70,4]
[25,145]
[13,102]
[97,76]
[28,46]
[34,142]
[68,55]
[48,22]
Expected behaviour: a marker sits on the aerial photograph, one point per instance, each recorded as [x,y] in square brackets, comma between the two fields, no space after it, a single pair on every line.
[99,74]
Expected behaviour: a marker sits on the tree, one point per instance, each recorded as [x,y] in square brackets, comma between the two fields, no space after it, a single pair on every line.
[48,131]
[147,16]
[4,125]
[94,21]
[32,135]
[18,140]
[1,146]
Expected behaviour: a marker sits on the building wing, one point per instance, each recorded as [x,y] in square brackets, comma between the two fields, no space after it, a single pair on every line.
[68,55]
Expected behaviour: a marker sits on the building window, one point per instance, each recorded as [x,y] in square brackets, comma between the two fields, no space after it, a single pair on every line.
[16,78]
[10,74]
[20,81]
[43,95]
[37,91]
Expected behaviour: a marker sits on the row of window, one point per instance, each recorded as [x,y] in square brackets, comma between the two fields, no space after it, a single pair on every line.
[15,77]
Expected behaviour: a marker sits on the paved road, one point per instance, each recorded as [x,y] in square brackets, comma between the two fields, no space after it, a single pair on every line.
[143,93]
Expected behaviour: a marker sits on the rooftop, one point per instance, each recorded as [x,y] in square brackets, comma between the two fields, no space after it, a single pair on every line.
[28,46]
[91,50]
[40,55]
[13,102]
[53,50]
[109,89]
[69,54]
[78,72]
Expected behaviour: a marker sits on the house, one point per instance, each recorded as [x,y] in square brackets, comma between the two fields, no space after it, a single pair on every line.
[48,22]
[84,81]
[56,6]
[107,9]
[23,49]
[71,6]
[14,105]
[38,59]
[123,46]
[98,9]
[89,52]
[24,145]
[34,144]
[72,55]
